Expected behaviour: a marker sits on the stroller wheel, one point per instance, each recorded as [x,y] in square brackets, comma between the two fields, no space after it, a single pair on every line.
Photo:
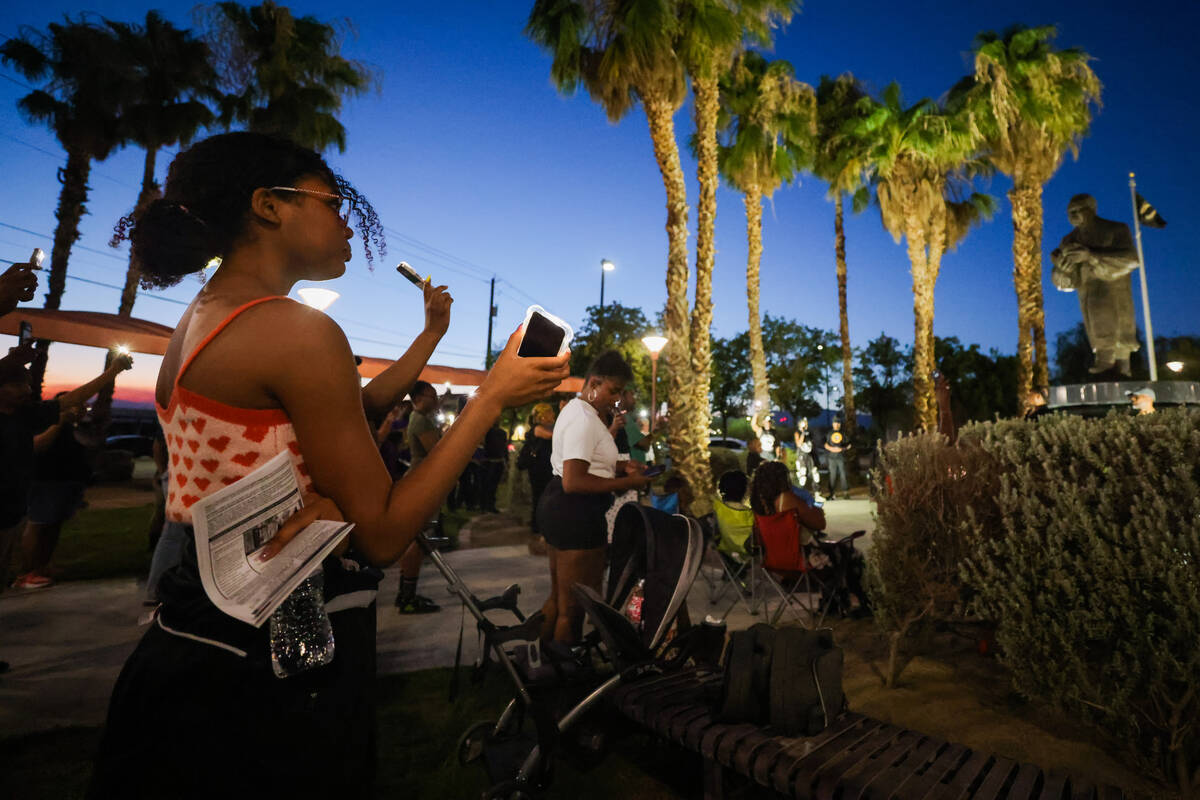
[470,744]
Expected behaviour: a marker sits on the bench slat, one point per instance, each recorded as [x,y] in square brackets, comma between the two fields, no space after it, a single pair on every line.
[830,775]
[730,738]
[683,720]
[785,747]
[695,732]
[1055,787]
[855,781]
[917,761]
[917,787]
[961,781]
[787,776]
[751,749]
[1027,784]
[998,775]
[1081,789]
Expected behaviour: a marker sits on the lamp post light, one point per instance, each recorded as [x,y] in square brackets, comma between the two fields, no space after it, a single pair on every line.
[1175,366]
[318,298]
[654,344]
[605,266]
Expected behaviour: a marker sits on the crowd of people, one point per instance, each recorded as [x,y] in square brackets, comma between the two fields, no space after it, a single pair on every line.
[250,374]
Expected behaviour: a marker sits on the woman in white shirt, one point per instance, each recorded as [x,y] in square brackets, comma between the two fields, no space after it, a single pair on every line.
[571,511]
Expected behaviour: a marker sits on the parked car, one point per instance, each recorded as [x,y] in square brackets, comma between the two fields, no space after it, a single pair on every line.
[134,443]
[725,442]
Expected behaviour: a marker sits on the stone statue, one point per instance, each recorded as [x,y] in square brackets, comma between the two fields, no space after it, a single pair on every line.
[1096,259]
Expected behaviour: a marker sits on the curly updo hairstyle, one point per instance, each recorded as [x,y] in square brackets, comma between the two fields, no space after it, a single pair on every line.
[770,480]
[206,203]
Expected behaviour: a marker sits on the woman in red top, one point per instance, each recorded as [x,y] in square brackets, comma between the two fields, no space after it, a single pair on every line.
[249,373]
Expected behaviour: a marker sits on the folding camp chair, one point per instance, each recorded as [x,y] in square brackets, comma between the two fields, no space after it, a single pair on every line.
[732,547]
[790,567]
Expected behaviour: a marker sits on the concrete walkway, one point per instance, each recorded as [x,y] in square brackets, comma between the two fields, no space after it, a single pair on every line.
[66,644]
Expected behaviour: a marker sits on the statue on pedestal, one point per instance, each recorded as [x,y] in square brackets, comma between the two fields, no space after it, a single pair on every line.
[1096,260]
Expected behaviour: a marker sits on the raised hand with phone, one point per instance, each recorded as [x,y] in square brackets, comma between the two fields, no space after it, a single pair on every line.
[18,283]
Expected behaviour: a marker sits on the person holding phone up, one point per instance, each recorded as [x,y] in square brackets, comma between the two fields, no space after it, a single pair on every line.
[18,283]
[571,512]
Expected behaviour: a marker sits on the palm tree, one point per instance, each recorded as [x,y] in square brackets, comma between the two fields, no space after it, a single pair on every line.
[76,64]
[283,74]
[839,162]
[624,52]
[912,154]
[710,36]
[1033,103]
[767,125]
[167,70]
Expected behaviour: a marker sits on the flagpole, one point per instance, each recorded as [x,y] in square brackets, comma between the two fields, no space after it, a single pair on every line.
[1137,227]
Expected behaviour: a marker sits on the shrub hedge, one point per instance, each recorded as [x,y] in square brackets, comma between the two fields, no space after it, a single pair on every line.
[1079,539]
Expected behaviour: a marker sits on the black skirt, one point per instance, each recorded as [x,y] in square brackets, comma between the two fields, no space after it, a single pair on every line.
[191,720]
[573,521]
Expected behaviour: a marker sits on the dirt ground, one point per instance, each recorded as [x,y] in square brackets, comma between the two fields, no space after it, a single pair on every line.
[949,691]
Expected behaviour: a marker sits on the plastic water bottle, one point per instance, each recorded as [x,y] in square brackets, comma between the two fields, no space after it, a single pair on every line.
[301,636]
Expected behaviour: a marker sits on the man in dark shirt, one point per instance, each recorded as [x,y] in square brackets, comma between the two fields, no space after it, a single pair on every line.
[836,445]
[495,450]
[21,422]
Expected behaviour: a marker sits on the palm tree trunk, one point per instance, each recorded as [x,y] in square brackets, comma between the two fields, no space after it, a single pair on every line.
[133,274]
[1030,235]
[707,103]
[839,249]
[72,201]
[758,357]
[688,451]
[933,268]
[924,403]
[1026,204]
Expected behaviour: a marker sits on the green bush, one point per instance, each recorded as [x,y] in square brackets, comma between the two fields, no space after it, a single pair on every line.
[1094,581]
[1079,539]
[924,490]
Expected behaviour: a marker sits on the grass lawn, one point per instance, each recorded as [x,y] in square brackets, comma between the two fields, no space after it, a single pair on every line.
[418,737]
[104,543]
[113,542]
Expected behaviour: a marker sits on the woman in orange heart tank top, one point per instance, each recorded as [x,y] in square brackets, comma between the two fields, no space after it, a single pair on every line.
[197,710]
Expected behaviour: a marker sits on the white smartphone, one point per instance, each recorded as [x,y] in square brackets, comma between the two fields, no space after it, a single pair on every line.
[543,334]
[37,258]
[405,269]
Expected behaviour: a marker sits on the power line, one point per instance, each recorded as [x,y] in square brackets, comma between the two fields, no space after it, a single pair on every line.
[58,156]
[113,286]
[74,246]
[484,273]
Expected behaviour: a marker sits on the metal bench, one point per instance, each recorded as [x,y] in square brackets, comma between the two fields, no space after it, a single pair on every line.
[856,757]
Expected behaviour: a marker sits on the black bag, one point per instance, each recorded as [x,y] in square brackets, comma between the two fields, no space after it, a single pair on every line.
[789,678]
[528,453]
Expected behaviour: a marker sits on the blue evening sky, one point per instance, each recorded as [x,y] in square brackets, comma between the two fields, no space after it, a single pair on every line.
[478,166]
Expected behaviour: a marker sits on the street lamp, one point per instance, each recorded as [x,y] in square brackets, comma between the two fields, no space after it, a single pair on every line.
[654,344]
[605,266]
[1175,366]
[318,298]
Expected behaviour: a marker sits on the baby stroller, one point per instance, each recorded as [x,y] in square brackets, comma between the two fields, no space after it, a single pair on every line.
[556,688]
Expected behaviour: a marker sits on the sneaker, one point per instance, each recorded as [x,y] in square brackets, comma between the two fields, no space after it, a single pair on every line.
[32,580]
[418,604]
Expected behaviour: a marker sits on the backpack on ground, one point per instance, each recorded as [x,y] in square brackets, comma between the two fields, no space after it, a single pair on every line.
[789,678]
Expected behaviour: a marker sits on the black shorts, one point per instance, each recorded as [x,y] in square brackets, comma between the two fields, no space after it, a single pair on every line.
[573,521]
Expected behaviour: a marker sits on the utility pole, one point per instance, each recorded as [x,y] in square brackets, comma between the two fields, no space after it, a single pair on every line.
[487,354]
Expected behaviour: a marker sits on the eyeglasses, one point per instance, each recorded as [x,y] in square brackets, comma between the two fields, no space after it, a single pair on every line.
[334,201]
